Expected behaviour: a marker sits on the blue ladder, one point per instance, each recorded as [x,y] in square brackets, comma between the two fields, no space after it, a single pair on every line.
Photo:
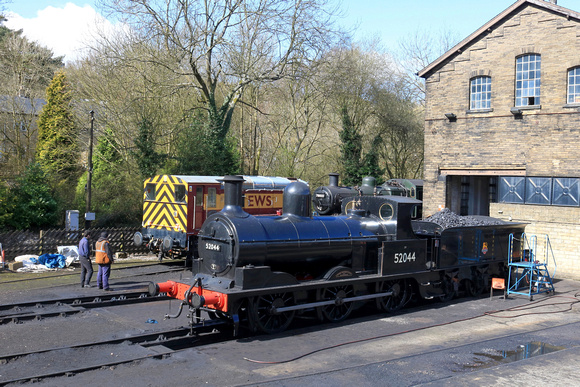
[528,275]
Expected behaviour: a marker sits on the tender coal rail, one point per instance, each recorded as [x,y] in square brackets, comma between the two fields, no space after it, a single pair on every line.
[154,344]
[37,310]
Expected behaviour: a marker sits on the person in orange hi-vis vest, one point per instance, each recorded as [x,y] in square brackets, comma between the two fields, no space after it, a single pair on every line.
[104,258]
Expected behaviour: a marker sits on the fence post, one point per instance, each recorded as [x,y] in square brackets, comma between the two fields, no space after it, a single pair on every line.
[41,240]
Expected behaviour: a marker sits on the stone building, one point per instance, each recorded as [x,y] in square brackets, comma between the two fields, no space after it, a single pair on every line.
[502,125]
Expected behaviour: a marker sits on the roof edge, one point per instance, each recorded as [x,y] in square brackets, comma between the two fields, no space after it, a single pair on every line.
[424,73]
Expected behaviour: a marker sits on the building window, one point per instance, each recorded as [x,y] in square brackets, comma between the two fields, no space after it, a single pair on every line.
[528,80]
[512,189]
[480,94]
[574,85]
[556,191]
[538,190]
[565,191]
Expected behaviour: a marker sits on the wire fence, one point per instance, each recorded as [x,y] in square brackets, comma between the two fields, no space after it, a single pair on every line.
[16,243]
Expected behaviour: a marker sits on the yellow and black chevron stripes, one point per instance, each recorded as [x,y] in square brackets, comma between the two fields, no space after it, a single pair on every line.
[165,212]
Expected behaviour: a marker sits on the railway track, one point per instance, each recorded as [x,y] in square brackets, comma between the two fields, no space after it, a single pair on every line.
[38,310]
[153,345]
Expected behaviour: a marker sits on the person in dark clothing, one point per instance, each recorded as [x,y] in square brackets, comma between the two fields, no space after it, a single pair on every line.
[85,260]
[104,257]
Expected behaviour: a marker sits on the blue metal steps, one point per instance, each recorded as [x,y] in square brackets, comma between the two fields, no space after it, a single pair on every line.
[528,266]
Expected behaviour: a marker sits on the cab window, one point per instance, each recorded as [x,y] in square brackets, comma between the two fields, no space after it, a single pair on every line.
[150,191]
[199,196]
[211,197]
[179,193]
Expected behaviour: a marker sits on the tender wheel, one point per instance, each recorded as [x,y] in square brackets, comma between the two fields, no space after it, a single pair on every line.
[473,288]
[266,318]
[449,290]
[401,295]
[340,309]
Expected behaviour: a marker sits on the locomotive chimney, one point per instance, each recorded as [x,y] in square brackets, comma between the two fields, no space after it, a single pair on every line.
[333,179]
[297,200]
[233,200]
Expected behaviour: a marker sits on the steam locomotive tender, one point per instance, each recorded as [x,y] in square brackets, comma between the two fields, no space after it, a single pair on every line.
[262,271]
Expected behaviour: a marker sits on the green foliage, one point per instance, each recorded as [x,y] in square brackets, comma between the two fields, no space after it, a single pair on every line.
[371,160]
[116,191]
[350,148]
[6,205]
[57,147]
[148,159]
[29,203]
[200,151]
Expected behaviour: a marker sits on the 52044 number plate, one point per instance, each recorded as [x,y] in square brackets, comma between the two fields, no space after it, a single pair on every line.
[403,256]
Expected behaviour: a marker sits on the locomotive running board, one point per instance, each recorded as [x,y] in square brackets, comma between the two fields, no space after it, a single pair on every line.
[337,301]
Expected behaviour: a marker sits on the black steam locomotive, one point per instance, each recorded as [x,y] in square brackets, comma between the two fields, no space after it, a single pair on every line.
[261,271]
[330,199]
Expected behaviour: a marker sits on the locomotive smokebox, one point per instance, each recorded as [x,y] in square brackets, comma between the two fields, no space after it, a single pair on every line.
[297,200]
[233,199]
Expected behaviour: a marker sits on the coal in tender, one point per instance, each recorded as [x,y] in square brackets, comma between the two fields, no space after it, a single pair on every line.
[447,219]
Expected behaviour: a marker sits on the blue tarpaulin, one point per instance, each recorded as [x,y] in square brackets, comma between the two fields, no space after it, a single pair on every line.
[52,261]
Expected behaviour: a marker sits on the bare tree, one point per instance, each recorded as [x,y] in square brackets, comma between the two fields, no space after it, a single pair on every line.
[417,51]
[220,47]
[26,69]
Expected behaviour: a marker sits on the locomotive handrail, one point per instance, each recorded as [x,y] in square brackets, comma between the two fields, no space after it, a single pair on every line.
[331,302]
[212,238]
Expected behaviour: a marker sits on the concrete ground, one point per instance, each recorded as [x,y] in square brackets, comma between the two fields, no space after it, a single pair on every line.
[433,344]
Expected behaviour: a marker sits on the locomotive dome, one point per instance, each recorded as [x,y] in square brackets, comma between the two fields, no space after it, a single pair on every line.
[297,200]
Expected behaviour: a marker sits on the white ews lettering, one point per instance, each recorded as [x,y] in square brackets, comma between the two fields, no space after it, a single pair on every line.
[212,246]
[405,257]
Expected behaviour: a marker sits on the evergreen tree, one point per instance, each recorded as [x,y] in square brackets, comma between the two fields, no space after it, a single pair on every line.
[198,153]
[350,150]
[371,160]
[57,149]
[116,193]
[148,159]
[29,203]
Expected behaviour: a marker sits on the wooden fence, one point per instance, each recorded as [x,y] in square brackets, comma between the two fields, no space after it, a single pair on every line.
[46,241]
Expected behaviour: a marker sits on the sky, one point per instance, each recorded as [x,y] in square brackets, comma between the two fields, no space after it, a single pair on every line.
[64,26]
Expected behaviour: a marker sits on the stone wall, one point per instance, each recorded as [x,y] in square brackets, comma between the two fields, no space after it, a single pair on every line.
[543,142]
[560,224]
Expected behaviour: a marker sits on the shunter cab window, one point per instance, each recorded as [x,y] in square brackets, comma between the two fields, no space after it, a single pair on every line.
[150,191]
[180,193]
[211,197]
[199,196]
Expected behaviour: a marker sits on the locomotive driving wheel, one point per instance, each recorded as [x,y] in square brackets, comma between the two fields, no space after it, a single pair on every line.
[339,310]
[265,315]
[400,297]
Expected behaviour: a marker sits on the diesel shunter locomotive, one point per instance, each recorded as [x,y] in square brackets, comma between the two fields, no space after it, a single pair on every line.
[175,207]
[262,271]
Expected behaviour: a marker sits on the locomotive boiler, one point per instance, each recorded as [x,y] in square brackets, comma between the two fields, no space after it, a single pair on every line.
[262,271]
